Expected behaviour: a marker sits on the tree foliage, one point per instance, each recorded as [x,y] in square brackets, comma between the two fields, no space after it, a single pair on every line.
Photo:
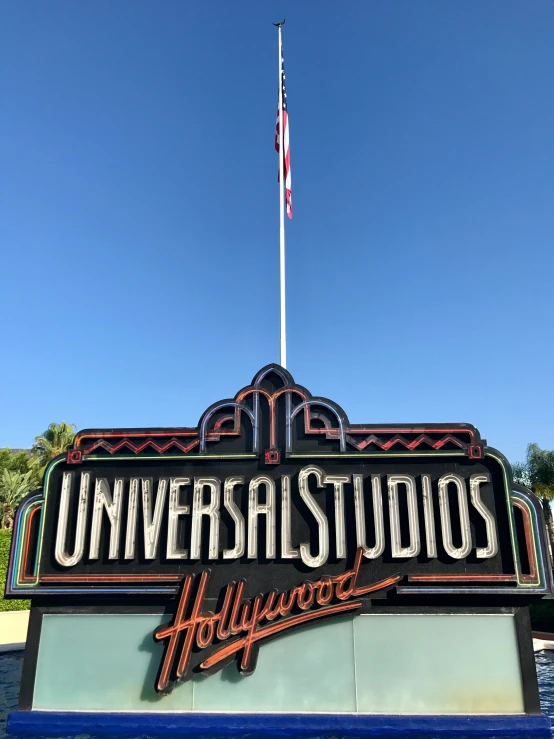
[54,441]
[19,474]
[13,487]
[16,462]
[22,471]
[537,473]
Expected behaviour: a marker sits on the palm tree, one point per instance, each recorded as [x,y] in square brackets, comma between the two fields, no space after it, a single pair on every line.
[54,441]
[537,473]
[13,487]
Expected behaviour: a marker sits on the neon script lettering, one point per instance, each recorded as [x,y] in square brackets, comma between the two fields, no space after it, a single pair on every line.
[250,620]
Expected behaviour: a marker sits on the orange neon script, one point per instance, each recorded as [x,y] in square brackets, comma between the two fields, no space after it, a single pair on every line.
[244,618]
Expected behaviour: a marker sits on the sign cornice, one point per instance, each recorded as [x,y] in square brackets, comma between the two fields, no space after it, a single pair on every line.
[325,422]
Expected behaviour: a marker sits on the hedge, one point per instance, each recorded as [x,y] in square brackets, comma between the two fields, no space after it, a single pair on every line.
[8,605]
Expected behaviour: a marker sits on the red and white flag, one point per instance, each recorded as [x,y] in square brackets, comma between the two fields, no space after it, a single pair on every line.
[286,147]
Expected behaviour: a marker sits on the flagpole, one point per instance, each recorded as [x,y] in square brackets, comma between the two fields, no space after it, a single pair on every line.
[282,212]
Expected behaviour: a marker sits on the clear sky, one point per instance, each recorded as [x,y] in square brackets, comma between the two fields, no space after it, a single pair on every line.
[139,210]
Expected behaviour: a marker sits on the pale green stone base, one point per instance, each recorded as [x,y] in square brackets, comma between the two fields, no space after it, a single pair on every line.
[389,664]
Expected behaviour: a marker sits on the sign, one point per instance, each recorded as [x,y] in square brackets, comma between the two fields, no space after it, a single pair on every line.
[273,512]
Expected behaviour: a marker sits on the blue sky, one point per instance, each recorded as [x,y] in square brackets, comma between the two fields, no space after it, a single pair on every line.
[139,210]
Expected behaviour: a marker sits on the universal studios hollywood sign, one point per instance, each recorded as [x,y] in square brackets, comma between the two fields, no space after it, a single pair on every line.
[273,513]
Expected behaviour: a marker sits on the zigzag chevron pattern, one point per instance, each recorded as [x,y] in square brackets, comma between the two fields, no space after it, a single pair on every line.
[414,444]
[361,445]
[138,448]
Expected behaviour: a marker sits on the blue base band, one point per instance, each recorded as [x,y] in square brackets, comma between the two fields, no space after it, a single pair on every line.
[42,723]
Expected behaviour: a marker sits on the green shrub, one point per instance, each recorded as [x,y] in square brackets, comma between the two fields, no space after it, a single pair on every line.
[8,605]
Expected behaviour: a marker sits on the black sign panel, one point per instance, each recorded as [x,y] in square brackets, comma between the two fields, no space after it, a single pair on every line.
[178,517]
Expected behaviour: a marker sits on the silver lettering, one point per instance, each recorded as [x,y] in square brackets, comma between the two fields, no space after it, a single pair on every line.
[256,509]
[492,541]
[60,552]
[152,523]
[339,482]
[175,511]
[211,509]
[446,524]
[287,550]
[132,517]
[103,502]
[236,515]
[413,549]
[318,514]
[377,550]
[429,516]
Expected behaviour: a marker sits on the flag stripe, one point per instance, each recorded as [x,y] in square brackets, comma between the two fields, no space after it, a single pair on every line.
[286,158]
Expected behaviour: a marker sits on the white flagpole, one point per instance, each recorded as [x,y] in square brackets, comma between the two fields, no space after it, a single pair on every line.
[282,213]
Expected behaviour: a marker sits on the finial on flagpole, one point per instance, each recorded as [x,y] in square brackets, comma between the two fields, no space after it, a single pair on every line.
[281,23]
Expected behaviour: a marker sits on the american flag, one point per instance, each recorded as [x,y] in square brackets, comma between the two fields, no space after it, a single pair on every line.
[288,187]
